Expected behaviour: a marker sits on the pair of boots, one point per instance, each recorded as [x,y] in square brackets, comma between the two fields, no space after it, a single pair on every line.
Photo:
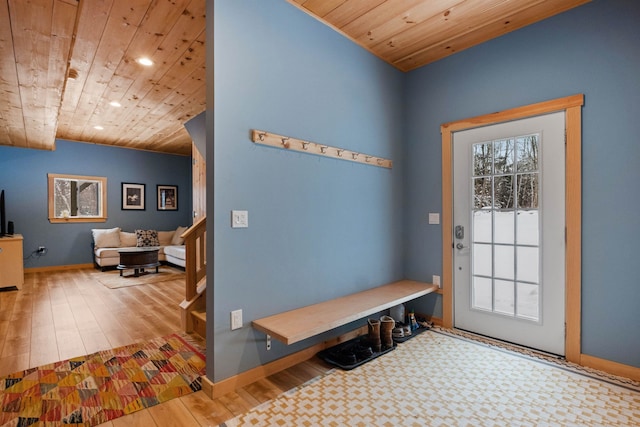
[381,333]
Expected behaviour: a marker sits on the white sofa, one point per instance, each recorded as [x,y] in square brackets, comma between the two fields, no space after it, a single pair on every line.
[107,243]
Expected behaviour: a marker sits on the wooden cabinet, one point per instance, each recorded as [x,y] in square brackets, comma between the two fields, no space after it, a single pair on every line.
[11,262]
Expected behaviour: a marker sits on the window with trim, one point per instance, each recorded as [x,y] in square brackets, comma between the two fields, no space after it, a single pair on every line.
[74,198]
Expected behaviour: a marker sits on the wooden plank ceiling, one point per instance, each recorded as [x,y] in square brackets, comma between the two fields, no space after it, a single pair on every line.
[64,62]
[97,43]
[412,33]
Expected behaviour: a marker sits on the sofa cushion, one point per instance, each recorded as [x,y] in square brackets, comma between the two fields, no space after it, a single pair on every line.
[108,253]
[106,238]
[147,238]
[128,239]
[176,251]
[176,255]
[164,237]
[177,240]
[107,257]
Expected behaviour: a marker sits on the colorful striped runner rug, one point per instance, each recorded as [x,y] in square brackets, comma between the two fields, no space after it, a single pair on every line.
[102,386]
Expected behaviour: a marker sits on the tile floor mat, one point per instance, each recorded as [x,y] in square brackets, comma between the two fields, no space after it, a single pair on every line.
[93,389]
[542,357]
[438,379]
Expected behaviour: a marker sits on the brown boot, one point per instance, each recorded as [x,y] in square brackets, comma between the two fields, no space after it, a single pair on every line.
[374,335]
[386,331]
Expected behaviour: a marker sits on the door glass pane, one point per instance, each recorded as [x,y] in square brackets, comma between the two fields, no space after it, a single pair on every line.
[504,297]
[528,228]
[482,193]
[504,262]
[527,153]
[528,301]
[504,221]
[482,259]
[482,226]
[528,191]
[504,192]
[482,296]
[506,227]
[528,264]
[482,159]
[503,156]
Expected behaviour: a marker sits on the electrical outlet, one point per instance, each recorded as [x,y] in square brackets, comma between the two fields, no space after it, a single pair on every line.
[436,281]
[41,249]
[236,319]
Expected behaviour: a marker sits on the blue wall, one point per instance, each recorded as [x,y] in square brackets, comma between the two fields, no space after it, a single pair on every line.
[197,130]
[23,176]
[318,227]
[593,49]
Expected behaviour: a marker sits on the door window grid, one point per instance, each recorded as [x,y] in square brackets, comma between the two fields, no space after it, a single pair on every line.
[505,227]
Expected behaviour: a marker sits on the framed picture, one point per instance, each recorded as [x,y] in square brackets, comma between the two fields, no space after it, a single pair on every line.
[133,196]
[167,197]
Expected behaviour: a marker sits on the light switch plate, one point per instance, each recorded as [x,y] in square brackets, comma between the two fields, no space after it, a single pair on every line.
[239,219]
[236,319]
[434,218]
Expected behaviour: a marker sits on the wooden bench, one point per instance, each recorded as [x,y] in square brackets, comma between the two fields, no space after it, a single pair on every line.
[299,324]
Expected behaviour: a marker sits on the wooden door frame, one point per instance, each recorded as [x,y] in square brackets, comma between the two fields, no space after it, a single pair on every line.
[572,107]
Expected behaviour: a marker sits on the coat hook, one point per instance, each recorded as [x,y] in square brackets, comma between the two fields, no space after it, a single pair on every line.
[367,158]
[261,136]
[285,142]
[379,161]
[304,144]
[323,149]
[355,155]
[339,152]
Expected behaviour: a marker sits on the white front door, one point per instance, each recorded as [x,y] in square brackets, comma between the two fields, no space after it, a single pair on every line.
[509,231]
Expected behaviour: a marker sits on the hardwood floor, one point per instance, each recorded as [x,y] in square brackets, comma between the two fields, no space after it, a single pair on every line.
[61,314]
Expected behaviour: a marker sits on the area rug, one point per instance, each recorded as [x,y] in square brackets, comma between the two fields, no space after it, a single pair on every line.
[436,379]
[102,386]
[112,279]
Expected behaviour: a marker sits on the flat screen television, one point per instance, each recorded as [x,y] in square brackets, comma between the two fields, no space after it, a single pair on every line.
[3,216]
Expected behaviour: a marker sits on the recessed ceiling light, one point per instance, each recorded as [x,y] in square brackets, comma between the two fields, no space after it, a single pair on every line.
[145,61]
[98,127]
[115,104]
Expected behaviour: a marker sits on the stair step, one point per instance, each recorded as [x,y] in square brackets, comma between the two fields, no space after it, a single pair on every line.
[200,322]
[202,315]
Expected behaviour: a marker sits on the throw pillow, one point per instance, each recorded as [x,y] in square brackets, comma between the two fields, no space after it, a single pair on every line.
[147,238]
[106,238]
[128,240]
[177,240]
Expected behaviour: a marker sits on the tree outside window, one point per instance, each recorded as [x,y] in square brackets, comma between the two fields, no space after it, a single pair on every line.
[74,198]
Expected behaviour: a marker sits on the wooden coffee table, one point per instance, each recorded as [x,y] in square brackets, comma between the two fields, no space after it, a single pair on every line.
[138,259]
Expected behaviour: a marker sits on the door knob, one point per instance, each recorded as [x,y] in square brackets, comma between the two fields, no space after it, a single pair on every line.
[460,246]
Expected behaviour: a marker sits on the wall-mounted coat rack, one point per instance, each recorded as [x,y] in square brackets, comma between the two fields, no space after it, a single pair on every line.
[280,141]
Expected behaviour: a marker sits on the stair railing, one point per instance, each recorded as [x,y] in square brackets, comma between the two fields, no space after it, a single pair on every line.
[196,256]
